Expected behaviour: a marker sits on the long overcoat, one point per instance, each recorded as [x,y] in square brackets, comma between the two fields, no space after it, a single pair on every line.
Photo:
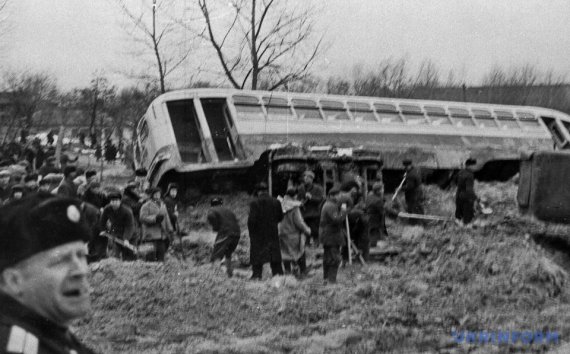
[264,215]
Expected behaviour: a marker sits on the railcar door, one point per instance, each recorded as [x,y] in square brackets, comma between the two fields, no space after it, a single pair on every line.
[215,110]
[187,131]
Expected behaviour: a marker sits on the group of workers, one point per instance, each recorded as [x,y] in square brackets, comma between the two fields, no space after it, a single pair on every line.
[43,255]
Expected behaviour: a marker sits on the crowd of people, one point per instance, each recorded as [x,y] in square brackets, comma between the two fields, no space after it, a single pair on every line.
[44,232]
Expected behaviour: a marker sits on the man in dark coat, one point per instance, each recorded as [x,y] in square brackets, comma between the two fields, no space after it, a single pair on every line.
[97,245]
[118,220]
[465,197]
[225,223]
[357,218]
[376,215]
[312,197]
[331,234]
[44,282]
[67,187]
[413,188]
[264,215]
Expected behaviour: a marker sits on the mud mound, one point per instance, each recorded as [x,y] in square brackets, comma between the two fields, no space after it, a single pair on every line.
[444,277]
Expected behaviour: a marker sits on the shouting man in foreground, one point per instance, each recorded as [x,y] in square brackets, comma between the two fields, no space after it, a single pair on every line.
[43,275]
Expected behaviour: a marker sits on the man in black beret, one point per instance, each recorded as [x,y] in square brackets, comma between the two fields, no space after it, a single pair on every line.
[265,213]
[465,197]
[43,275]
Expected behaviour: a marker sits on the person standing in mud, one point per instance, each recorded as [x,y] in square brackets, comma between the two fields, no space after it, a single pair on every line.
[376,215]
[312,197]
[331,234]
[292,231]
[357,218]
[156,226]
[465,197]
[264,215]
[413,188]
[225,223]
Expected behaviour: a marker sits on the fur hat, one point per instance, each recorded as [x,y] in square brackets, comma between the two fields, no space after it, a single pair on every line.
[172,186]
[309,173]
[37,223]
[90,173]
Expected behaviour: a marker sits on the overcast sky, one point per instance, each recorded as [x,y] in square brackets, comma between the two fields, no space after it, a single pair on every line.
[73,38]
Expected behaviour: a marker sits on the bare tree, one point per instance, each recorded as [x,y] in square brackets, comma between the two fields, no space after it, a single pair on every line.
[28,93]
[156,36]
[262,40]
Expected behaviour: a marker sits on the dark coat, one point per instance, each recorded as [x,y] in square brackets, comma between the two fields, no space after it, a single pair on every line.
[311,207]
[413,191]
[376,215]
[172,205]
[332,225]
[264,215]
[465,186]
[67,189]
[223,221]
[21,326]
[122,222]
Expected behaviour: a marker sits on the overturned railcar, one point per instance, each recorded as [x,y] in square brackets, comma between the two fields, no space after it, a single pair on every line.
[215,139]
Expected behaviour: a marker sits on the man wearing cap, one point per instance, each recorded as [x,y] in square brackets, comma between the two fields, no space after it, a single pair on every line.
[465,197]
[44,283]
[67,188]
[375,212]
[331,234]
[413,188]
[119,221]
[312,197]
[225,223]
[264,215]
[30,183]
[156,226]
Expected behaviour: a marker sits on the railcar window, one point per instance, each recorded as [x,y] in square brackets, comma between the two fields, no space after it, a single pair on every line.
[484,118]
[306,109]
[361,112]
[528,120]
[461,117]
[248,107]
[388,113]
[277,108]
[334,110]
[437,115]
[413,114]
[507,120]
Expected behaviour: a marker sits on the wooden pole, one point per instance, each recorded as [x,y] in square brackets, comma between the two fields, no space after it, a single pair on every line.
[348,243]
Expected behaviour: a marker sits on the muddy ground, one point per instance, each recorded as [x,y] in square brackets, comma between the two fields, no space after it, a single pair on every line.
[437,278]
